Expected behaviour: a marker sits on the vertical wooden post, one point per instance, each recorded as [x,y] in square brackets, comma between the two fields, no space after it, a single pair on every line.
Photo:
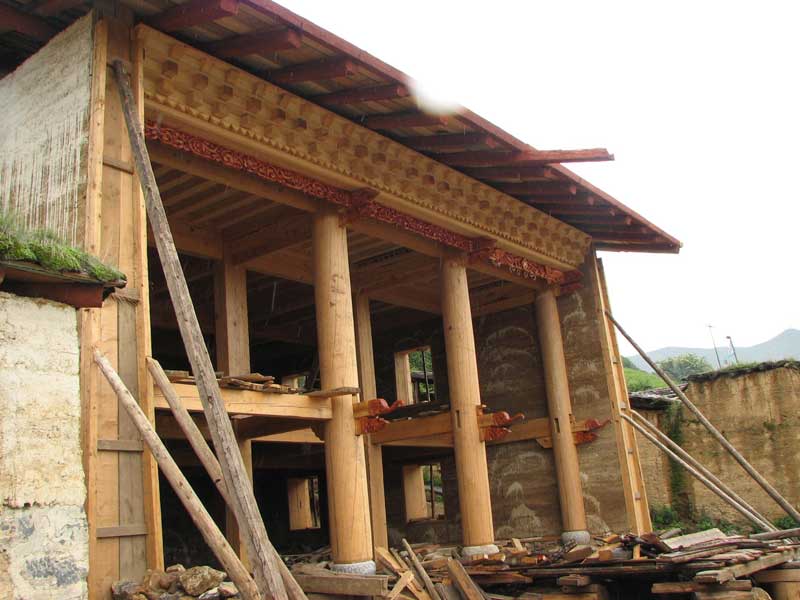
[299,492]
[573,513]
[462,375]
[348,503]
[233,358]
[374,453]
[404,387]
[414,492]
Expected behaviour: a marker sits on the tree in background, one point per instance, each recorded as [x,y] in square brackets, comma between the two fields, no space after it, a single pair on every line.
[682,366]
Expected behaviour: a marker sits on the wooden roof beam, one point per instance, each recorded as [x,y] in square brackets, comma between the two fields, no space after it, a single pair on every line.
[284,233]
[549,188]
[194,12]
[403,120]
[512,174]
[320,70]
[49,8]
[28,25]
[393,91]
[263,42]
[450,142]
[529,158]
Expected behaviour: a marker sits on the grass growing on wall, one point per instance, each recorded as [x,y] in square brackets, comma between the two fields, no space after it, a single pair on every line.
[45,249]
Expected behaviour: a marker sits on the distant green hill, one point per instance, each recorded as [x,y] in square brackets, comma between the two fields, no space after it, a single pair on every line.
[782,346]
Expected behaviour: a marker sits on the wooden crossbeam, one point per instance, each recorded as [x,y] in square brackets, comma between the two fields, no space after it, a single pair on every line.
[450,142]
[194,12]
[392,91]
[402,120]
[321,70]
[26,24]
[49,8]
[530,158]
[513,173]
[547,188]
[262,42]
[625,237]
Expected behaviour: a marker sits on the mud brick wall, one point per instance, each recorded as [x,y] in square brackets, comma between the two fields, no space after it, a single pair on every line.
[655,464]
[45,134]
[522,474]
[44,541]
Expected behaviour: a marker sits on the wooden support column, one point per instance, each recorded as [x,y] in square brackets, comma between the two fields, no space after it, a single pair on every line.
[348,502]
[462,376]
[573,513]
[374,452]
[233,358]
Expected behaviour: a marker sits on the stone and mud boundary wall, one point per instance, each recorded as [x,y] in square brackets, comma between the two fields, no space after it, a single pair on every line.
[44,541]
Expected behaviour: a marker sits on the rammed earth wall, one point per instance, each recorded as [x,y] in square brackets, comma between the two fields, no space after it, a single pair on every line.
[44,134]
[43,530]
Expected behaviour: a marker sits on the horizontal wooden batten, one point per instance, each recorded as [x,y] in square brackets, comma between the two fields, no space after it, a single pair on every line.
[548,188]
[263,42]
[513,174]
[322,70]
[393,91]
[120,445]
[194,12]
[532,157]
[246,402]
[119,531]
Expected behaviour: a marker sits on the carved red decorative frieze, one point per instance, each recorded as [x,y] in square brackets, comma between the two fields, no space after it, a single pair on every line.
[359,203]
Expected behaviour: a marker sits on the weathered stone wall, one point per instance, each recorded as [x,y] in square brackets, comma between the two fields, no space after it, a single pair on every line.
[44,133]
[43,529]
[759,413]
[522,474]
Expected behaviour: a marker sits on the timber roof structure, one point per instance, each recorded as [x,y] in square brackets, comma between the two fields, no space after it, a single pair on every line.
[277,45]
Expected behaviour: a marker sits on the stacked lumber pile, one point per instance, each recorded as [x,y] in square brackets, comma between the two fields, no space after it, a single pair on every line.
[255,382]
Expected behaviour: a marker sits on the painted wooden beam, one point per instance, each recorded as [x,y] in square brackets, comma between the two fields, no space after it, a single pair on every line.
[194,12]
[263,42]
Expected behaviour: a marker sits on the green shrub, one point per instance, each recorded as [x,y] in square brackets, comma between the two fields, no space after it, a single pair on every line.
[639,381]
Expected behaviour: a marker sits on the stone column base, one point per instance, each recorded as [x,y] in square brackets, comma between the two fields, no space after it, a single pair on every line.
[366,567]
[485,549]
[577,537]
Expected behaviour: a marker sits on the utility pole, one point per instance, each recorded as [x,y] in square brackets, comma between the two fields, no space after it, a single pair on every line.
[711,332]
[733,349]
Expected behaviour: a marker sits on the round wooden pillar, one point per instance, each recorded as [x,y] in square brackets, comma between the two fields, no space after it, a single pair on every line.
[462,377]
[348,502]
[573,513]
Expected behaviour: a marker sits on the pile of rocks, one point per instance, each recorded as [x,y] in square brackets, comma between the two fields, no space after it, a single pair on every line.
[177,583]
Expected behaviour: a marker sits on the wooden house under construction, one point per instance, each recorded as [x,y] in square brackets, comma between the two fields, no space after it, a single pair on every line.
[333,236]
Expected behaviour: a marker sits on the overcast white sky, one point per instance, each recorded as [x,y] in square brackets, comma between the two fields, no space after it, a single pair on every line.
[698,101]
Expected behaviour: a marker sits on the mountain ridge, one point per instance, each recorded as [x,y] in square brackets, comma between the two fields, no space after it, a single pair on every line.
[784,345]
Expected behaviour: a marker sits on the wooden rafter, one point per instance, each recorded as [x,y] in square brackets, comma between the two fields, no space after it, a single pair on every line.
[392,91]
[321,70]
[529,158]
[49,8]
[284,233]
[405,119]
[450,143]
[512,174]
[531,188]
[194,12]
[26,24]
[263,42]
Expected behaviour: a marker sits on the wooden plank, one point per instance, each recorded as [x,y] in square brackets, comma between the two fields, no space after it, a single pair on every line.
[344,584]
[421,572]
[334,392]
[726,574]
[462,581]
[688,587]
[28,25]
[699,537]
[262,42]
[403,386]
[405,579]
[118,531]
[777,575]
[196,12]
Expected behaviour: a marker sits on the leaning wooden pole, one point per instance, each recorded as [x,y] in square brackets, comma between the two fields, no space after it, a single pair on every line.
[699,476]
[758,477]
[205,524]
[259,549]
[209,461]
[664,439]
